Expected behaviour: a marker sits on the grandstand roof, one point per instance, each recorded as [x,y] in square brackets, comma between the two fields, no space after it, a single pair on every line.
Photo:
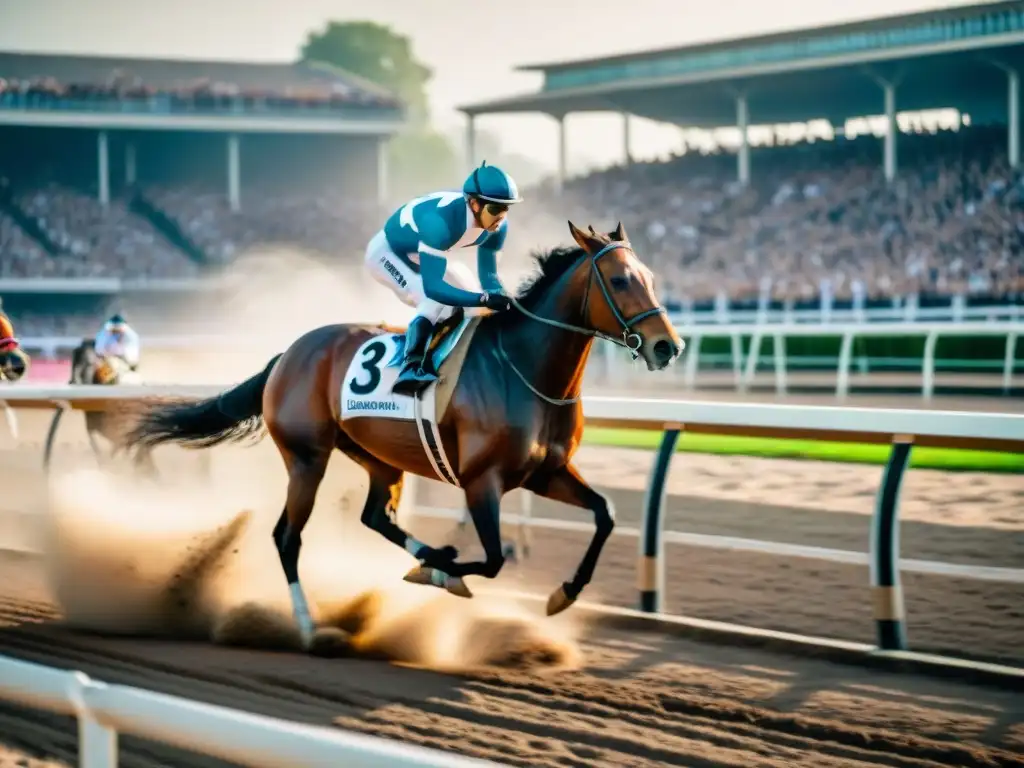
[863,25]
[829,72]
[172,73]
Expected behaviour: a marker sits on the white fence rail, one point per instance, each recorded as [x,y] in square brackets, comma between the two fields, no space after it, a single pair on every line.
[104,710]
[614,368]
[744,368]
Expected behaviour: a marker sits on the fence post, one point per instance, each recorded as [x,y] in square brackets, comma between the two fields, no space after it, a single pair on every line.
[97,744]
[886,591]
[651,565]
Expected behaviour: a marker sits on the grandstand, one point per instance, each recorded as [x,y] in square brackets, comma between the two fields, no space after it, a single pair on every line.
[135,177]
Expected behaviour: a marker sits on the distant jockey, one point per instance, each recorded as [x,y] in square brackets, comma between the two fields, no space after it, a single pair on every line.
[7,340]
[118,339]
[409,256]
[13,360]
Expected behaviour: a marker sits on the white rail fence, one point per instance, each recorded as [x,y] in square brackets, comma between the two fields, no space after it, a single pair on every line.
[105,710]
[613,368]
[900,428]
[617,369]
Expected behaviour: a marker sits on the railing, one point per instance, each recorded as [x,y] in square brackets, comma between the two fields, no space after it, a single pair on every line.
[614,368]
[900,428]
[104,710]
[744,369]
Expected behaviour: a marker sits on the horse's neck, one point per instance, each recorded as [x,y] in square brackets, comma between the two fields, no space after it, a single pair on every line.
[552,359]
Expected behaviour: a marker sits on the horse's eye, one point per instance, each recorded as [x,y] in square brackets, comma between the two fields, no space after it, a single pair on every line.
[619,283]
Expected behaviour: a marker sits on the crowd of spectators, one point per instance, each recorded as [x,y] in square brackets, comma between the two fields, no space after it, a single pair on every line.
[820,218]
[816,218]
[127,91]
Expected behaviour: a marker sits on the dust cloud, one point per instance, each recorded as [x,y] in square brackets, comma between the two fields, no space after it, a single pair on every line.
[125,556]
[273,295]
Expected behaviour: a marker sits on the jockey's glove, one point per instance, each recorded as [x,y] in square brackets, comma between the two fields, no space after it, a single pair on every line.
[496,301]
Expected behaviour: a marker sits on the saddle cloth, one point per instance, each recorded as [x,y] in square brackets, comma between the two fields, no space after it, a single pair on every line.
[366,389]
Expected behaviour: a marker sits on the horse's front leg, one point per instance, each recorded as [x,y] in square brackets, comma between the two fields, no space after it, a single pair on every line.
[565,484]
[483,499]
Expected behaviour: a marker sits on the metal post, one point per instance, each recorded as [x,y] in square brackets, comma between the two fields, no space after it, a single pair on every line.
[562,160]
[382,172]
[928,365]
[103,168]
[627,155]
[234,173]
[1009,357]
[651,565]
[779,342]
[470,142]
[692,361]
[130,171]
[843,372]
[742,122]
[887,594]
[97,744]
[891,130]
[1013,118]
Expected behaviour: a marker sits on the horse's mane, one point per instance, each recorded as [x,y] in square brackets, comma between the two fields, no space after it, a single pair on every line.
[551,267]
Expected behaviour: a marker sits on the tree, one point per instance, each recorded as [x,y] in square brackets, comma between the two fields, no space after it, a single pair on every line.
[373,51]
[418,155]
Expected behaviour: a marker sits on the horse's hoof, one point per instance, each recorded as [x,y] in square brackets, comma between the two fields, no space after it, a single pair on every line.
[456,586]
[329,642]
[423,574]
[559,601]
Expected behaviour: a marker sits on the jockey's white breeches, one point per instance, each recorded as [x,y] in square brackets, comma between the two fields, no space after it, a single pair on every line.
[393,273]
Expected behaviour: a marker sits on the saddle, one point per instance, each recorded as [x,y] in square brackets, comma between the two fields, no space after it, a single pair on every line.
[435,346]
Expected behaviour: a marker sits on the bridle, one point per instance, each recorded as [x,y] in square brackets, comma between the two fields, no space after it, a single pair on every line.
[629,339]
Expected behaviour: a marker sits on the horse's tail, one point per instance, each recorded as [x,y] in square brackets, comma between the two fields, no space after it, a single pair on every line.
[230,416]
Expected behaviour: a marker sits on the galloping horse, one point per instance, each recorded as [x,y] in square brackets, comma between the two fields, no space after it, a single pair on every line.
[89,368]
[14,364]
[514,417]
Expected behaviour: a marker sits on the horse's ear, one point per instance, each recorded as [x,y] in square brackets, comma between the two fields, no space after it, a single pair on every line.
[620,234]
[579,236]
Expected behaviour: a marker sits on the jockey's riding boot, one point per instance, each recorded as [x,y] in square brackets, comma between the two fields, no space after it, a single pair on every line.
[414,379]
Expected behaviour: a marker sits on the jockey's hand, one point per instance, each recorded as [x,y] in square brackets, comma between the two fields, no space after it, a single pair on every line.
[496,301]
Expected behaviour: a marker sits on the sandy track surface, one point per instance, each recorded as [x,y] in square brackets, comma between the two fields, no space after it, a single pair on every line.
[638,700]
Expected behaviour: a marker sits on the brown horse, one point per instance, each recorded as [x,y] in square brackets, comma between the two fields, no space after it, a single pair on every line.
[514,418]
[88,368]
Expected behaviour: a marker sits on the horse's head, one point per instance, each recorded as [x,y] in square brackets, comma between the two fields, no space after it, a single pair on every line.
[617,293]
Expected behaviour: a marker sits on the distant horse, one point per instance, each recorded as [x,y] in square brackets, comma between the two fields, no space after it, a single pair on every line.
[514,417]
[89,368]
[14,363]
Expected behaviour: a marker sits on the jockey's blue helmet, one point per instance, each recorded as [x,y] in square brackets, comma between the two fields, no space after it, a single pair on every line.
[116,319]
[490,183]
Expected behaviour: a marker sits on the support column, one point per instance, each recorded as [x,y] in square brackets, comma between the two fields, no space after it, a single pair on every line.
[627,154]
[892,130]
[234,173]
[382,171]
[561,153]
[103,168]
[130,172]
[743,157]
[470,142]
[1013,118]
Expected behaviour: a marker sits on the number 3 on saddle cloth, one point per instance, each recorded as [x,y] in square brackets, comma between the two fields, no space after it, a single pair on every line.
[366,391]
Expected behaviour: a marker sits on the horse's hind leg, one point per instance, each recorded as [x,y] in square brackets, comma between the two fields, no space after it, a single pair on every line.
[304,475]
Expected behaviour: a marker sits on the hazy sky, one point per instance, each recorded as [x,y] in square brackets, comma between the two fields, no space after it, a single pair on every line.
[472,46]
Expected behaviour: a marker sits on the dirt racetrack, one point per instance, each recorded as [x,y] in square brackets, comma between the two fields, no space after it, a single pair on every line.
[627,699]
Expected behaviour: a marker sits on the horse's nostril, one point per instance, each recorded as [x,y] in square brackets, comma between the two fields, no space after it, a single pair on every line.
[663,350]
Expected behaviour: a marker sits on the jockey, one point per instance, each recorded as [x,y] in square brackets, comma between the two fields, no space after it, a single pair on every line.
[118,339]
[8,342]
[409,256]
